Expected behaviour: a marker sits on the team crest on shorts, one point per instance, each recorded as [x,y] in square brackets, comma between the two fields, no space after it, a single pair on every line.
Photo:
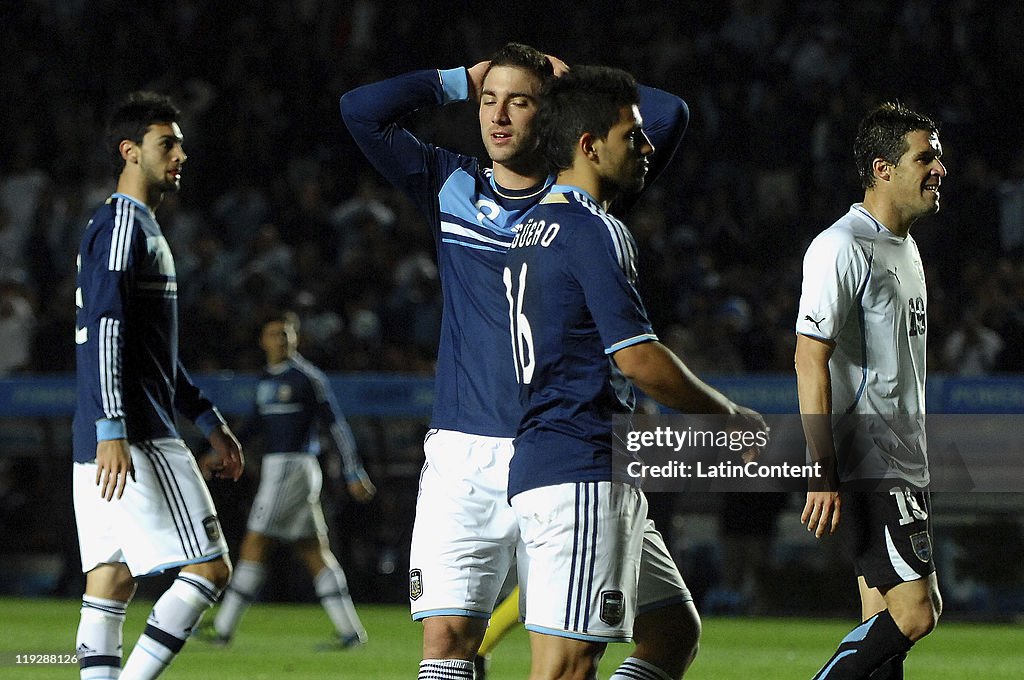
[922,544]
[613,607]
[415,584]
[212,527]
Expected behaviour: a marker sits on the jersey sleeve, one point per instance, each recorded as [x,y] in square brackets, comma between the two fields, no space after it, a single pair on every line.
[190,401]
[107,269]
[835,270]
[372,113]
[602,258]
[330,417]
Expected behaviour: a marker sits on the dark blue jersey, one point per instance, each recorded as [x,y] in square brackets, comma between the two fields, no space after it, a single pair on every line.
[472,219]
[294,400]
[130,381]
[572,302]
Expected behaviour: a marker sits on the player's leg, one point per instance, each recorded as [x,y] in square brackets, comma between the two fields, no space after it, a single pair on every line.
[463,545]
[108,590]
[331,587]
[179,529]
[244,588]
[109,585]
[579,567]
[667,627]
[871,603]
[279,507]
[552,656]
[889,535]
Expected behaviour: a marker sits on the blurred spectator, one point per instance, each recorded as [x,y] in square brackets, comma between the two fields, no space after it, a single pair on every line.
[17,324]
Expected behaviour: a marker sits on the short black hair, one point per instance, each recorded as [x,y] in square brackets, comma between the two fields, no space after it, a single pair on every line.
[132,117]
[584,99]
[530,59]
[883,134]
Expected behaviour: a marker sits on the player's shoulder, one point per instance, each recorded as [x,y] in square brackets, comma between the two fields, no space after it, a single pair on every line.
[305,371]
[852,233]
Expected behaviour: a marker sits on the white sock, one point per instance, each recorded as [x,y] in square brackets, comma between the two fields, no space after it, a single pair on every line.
[244,588]
[638,669]
[98,643]
[170,623]
[445,669]
[332,589]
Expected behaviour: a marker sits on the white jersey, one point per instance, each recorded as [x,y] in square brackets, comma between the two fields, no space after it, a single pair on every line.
[864,290]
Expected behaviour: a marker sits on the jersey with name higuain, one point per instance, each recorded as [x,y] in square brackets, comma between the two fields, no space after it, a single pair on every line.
[570,286]
[864,290]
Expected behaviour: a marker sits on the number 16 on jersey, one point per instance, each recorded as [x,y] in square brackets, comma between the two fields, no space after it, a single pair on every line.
[522,335]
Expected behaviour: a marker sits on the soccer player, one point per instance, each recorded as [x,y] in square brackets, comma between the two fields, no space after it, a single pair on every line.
[860,354]
[580,336]
[293,398]
[465,534]
[141,504]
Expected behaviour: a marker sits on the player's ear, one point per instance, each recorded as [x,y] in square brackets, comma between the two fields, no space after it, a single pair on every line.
[587,144]
[882,169]
[129,151]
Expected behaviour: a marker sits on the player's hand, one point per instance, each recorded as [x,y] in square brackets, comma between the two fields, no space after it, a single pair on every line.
[559,66]
[476,79]
[821,512]
[113,466]
[362,489]
[745,419]
[226,460]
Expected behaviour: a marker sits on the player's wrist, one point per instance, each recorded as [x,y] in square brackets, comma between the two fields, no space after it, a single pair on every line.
[108,429]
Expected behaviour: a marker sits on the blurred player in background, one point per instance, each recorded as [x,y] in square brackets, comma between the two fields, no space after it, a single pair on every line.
[465,534]
[860,351]
[293,398]
[581,336]
[141,505]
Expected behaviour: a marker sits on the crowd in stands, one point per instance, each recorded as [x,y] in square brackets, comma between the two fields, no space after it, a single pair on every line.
[278,206]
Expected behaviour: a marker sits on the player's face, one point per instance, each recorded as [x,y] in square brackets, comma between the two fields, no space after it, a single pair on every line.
[508,103]
[917,176]
[161,156]
[623,153]
[279,341]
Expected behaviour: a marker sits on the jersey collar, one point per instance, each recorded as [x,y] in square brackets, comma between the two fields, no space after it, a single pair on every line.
[134,200]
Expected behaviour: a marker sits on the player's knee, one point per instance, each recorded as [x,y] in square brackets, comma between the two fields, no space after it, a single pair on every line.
[917,622]
[217,572]
[452,637]
[668,637]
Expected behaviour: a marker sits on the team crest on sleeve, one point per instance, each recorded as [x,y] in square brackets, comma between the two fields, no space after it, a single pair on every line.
[415,584]
[922,544]
[613,607]
[212,527]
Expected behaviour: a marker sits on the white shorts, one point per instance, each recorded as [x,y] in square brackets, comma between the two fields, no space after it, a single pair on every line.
[465,535]
[661,584]
[580,566]
[287,504]
[165,518]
